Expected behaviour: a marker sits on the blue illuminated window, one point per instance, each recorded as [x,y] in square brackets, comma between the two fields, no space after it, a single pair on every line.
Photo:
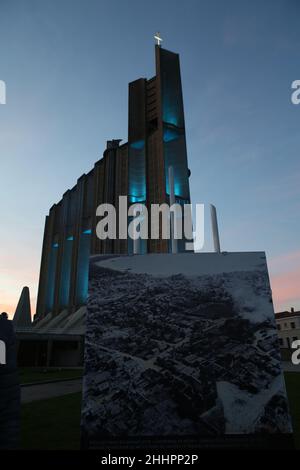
[137,172]
[83,267]
[170,134]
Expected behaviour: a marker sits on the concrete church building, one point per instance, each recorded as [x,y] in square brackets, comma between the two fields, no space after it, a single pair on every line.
[138,169]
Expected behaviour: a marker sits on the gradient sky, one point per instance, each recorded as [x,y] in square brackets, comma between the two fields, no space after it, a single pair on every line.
[67,64]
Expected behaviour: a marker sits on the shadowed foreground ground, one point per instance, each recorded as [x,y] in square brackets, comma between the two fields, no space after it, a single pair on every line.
[52,423]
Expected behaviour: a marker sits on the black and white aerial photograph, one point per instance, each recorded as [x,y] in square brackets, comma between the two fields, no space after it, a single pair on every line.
[181,346]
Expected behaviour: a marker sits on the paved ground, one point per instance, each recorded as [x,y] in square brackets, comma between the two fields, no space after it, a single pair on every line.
[50,390]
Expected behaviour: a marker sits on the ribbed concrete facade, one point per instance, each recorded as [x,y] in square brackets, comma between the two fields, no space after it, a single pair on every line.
[138,169]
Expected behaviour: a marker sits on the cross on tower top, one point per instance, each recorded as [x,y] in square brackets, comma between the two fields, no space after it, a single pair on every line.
[158,38]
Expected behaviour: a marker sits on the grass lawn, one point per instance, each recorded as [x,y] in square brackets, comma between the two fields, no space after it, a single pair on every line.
[54,423]
[36,374]
[292,380]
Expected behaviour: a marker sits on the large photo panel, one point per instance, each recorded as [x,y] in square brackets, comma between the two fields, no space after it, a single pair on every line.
[182,349]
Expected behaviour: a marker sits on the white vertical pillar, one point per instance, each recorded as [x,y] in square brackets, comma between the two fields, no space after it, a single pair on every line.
[174,246]
[215,230]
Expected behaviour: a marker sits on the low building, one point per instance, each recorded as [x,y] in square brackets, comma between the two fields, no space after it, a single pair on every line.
[288,326]
[53,341]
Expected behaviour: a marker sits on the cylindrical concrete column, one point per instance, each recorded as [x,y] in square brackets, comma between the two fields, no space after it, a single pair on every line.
[215,230]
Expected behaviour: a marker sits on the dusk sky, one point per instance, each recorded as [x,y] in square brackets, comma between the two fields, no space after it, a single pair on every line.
[67,64]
